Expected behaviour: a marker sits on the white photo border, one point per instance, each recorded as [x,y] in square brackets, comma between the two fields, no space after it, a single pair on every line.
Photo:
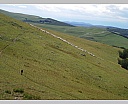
[64,2]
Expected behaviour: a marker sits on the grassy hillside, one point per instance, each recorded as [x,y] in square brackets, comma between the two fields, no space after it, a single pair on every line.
[91,33]
[119,31]
[35,19]
[55,70]
[20,16]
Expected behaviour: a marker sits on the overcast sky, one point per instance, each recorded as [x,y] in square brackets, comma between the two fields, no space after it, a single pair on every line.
[97,14]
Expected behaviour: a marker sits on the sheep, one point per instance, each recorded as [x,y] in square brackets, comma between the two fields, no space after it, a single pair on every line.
[63,41]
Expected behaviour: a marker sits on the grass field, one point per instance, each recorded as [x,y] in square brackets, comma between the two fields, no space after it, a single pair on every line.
[55,70]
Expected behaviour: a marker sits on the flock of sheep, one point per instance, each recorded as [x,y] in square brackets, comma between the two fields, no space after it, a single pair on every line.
[64,40]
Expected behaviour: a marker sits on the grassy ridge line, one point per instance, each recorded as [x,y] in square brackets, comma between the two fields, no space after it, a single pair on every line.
[34,19]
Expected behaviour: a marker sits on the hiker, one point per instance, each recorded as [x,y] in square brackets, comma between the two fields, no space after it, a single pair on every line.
[21,72]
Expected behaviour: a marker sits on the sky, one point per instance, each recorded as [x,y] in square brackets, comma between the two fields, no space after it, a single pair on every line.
[97,14]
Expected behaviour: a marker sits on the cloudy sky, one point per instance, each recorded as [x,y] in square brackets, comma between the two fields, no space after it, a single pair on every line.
[97,14]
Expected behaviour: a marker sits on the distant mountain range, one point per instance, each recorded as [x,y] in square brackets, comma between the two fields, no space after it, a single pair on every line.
[83,24]
[79,24]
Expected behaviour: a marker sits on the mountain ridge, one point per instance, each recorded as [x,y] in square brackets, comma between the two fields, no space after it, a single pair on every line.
[34,19]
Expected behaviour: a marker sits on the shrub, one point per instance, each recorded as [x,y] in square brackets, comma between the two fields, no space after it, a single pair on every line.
[120,54]
[7,91]
[19,90]
[123,54]
[124,61]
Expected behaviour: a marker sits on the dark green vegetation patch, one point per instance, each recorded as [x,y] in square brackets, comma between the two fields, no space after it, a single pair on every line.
[124,58]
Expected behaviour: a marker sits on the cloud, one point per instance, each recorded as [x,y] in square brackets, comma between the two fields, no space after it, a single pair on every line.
[109,11]
[101,14]
[21,6]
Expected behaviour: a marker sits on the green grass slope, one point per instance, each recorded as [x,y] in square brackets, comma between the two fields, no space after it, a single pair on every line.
[101,35]
[20,16]
[55,70]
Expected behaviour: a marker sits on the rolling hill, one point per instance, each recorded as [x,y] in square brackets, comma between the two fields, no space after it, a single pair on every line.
[34,19]
[118,31]
[114,30]
[54,69]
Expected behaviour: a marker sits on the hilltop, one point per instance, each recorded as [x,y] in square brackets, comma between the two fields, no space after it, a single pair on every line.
[34,19]
[54,69]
